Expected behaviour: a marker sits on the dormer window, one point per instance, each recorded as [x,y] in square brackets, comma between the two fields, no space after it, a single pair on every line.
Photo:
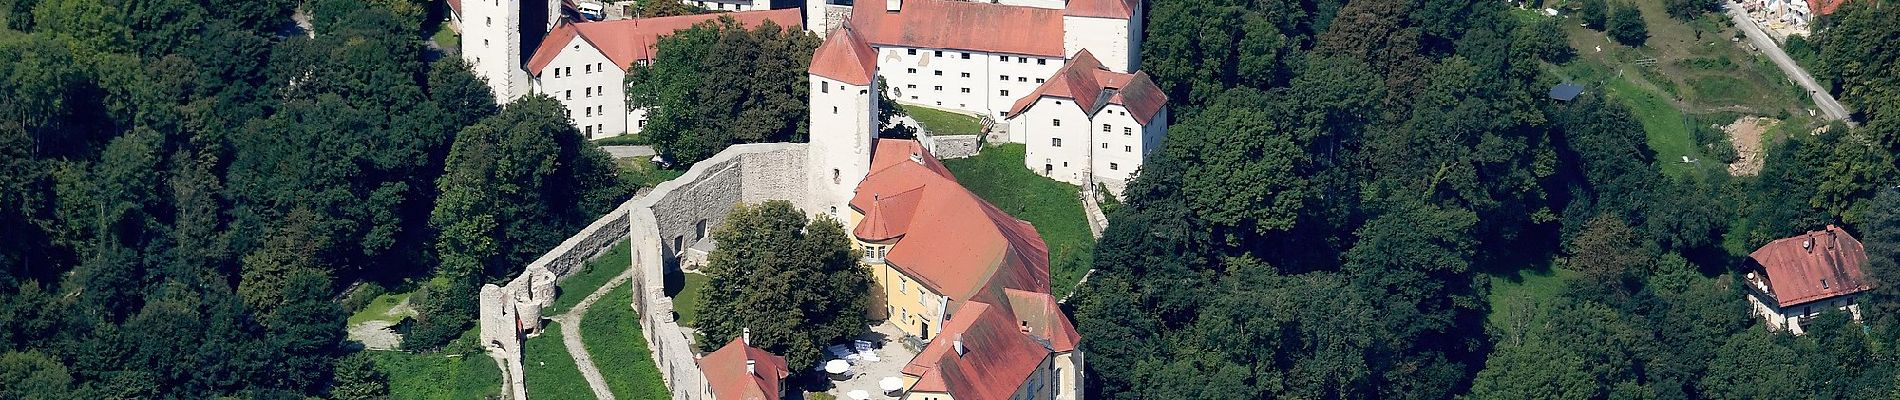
[1824,283]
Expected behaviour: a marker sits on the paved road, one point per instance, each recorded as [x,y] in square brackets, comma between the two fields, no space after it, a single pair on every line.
[628,151]
[1829,107]
[571,336]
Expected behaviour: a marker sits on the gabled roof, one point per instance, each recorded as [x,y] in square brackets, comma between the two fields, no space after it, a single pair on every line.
[997,358]
[954,243]
[962,25]
[1814,266]
[627,41]
[1041,316]
[455,6]
[1092,86]
[1118,9]
[846,57]
[725,371]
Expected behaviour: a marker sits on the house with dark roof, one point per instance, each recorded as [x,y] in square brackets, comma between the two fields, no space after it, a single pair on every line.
[1796,278]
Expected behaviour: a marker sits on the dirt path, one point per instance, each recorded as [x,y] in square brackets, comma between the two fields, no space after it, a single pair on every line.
[571,336]
[1746,135]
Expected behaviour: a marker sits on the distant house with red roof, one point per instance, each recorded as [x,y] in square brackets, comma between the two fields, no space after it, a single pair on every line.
[739,371]
[1796,278]
[1796,14]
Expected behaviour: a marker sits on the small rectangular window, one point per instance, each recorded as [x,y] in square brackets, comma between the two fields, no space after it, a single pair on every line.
[1055,122]
[938,53]
[910,86]
[1023,79]
[1042,61]
[570,95]
[1105,128]
[966,55]
[1114,167]
[1002,58]
[1039,80]
[590,92]
[1005,93]
[911,51]
[966,90]
[1128,149]
[587,68]
[937,72]
[1055,142]
[1104,145]
[939,88]
[966,74]
[557,72]
[1022,60]
[1127,131]
[824,86]
[1002,77]
[910,70]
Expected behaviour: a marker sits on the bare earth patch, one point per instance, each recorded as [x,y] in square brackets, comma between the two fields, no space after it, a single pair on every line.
[1746,134]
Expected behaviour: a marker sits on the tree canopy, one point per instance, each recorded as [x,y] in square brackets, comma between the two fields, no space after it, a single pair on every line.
[718,84]
[794,283]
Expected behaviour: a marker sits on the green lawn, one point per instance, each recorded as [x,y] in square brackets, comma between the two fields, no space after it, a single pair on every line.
[379,309]
[439,375]
[549,371]
[642,173]
[940,122]
[611,333]
[1517,294]
[998,175]
[686,297]
[446,38]
[1667,129]
[591,277]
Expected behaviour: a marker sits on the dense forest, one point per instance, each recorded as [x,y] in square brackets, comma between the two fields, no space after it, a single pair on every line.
[1344,177]
[190,187]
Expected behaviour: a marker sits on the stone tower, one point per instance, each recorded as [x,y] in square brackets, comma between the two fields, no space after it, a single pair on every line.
[843,121]
[496,36]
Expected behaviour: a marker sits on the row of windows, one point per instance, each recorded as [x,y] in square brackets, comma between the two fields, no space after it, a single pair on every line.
[569,94]
[1005,78]
[589,68]
[966,55]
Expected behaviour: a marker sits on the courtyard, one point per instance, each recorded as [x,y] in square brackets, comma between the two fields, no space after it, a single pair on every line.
[892,354]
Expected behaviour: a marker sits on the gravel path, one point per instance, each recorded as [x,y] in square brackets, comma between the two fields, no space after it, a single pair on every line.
[571,336]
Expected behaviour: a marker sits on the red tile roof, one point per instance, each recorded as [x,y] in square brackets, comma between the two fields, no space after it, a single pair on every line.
[1041,316]
[725,372]
[455,6]
[1824,7]
[1120,9]
[1091,86]
[626,41]
[1814,266]
[962,25]
[846,57]
[997,358]
[954,243]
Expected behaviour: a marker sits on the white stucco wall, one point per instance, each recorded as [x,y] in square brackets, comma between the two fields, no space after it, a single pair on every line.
[843,122]
[1109,39]
[591,86]
[937,77]
[1056,118]
[491,44]
[1118,150]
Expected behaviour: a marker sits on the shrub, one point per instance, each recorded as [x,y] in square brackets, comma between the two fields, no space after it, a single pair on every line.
[1626,26]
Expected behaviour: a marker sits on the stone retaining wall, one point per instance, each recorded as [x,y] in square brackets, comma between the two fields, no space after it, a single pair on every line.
[652,221]
[951,146]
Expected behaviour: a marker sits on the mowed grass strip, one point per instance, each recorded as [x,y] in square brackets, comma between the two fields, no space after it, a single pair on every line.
[998,175]
[591,277]
[940,122]
[549,370]
[611,332]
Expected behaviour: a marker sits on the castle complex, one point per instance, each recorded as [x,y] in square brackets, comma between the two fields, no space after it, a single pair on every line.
[951,271]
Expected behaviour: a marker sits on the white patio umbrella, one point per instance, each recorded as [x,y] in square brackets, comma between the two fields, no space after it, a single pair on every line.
[859,395]
[836,367]
[890,384]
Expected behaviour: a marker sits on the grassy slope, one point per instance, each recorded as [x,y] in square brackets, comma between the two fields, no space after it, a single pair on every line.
[1053,207]
[549,371]
[1517,293]
[642,172]
[1668,131]
[435,376]
[378,309]
[611,333]
[591,277]
[944,122]
[686,301]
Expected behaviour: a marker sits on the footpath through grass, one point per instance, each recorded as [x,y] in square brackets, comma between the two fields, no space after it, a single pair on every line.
[998,175]
[940,122]
[611,332]
[549,371]
[591,277]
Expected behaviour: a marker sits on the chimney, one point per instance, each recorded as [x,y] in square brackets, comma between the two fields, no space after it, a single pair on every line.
[959,345]
[917,158]
[751,367]
[746,335]
[893,5]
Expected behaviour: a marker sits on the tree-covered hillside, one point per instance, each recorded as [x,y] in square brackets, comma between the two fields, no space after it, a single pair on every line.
[1346,179]
[189,185]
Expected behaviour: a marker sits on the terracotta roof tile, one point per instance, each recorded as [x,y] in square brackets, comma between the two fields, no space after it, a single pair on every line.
[455,6]
[626,41]
[1120,9]
[960,25]
[1041,316]
[725,372]
[1814,266]
[997,358]
[1092,86]
[1824,7]
[846,57]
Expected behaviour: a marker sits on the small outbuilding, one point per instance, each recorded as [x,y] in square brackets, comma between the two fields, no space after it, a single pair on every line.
[1566,92]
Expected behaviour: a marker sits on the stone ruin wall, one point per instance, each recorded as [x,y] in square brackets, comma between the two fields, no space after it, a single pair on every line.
[708,191]
[951,146]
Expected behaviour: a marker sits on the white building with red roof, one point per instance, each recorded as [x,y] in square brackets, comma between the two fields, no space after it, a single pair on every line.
[1090,125]
[1796,278]
[948,267]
